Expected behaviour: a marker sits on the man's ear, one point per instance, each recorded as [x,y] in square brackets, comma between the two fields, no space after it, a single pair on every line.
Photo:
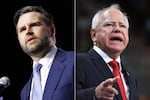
[53,32]
[52,29]
[93,35]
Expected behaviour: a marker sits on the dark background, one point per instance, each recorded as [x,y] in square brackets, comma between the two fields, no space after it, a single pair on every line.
[15,64]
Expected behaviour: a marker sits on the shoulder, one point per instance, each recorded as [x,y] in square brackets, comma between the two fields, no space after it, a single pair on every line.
[65,51]
[68,55]
[83,59]
[82,56]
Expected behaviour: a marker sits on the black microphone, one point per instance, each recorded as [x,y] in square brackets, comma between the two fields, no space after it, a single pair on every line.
[4,83]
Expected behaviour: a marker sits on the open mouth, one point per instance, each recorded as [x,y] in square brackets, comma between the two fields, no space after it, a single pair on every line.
[116,39]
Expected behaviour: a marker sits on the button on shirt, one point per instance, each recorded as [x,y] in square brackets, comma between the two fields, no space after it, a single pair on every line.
[107,59]
[46,61]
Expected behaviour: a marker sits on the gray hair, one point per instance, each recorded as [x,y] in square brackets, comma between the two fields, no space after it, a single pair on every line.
[96,20]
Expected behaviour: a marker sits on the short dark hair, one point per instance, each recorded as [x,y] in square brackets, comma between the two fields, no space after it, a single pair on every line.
[47,17]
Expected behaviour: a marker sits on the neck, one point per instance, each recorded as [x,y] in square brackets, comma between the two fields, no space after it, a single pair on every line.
[38,56]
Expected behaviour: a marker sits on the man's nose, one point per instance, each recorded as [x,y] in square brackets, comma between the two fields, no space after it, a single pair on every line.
[29,31]
[116,29]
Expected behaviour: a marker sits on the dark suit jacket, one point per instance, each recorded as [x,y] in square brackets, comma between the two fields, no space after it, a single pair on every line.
[59,85]
[92,70]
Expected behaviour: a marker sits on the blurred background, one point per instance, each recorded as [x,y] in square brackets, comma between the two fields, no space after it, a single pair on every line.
[15,64]
[137,54]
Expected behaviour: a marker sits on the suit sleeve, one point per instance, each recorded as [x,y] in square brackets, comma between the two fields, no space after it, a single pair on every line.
[83,91]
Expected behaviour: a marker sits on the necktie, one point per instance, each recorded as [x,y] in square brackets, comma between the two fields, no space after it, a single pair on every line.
[116,72]
[37,88]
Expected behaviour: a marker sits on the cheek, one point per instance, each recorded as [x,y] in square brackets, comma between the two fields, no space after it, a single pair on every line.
[102,34]
[102,39]
[21,40]
[127,41]
[41,33]
[127,37]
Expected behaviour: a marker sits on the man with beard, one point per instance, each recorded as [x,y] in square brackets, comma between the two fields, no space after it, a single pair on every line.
[36,34]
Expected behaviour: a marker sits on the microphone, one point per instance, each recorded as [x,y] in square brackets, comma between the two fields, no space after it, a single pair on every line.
[4,83]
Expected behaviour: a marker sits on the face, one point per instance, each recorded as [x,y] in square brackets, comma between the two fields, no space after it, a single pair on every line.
[111,35]
[33,34]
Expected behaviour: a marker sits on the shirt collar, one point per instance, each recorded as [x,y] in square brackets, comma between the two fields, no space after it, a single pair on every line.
[44,60]
[105,57]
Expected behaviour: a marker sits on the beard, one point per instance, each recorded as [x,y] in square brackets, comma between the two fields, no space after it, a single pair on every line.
[39,46]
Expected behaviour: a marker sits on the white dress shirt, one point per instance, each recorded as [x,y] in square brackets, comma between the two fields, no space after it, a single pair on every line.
[46,61]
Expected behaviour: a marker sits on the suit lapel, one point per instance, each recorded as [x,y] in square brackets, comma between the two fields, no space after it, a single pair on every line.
[129,82]
[54,75]
[27,89]
[127,79]
[100,64]
[103,69]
